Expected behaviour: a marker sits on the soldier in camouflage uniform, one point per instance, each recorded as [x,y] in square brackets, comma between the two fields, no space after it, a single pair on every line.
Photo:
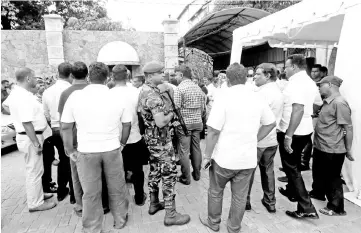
[157,116]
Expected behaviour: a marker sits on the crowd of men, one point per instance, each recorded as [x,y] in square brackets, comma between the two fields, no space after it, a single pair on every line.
[105,128]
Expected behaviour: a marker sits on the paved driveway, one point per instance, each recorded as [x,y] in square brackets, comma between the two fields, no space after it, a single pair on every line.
[190,199]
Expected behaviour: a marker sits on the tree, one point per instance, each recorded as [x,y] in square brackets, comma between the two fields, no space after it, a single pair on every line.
[23,15]
[84,15]
[269,6]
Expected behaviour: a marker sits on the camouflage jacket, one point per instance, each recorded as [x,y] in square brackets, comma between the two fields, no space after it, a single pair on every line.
[150,103]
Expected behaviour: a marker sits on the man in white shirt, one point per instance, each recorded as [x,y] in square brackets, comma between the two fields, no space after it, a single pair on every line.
[239,119]
[294,131]
[99,147]
[135,153]
[265,79]
[51,99]
[30,123]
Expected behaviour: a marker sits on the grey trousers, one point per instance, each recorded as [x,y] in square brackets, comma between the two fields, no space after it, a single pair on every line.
[189,148]
[265,158]
[218,178]
[89,166]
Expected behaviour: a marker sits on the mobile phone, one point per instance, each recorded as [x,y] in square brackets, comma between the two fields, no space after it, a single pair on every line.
[207,165]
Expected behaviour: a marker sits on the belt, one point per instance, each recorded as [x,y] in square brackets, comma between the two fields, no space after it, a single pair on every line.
[36,132]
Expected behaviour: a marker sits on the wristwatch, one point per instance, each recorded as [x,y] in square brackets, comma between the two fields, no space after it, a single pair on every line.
[38,146]
[288,137]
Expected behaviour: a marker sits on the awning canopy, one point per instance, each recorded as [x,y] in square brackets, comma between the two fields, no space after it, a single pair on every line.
[118,52]
[213,34]
[308,24]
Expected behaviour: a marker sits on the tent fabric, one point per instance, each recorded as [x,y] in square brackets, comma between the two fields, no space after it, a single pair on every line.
[318,24]
[310,23]
[213,34]
[346,62]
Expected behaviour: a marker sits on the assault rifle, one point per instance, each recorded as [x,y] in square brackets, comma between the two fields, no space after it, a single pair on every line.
[178,113]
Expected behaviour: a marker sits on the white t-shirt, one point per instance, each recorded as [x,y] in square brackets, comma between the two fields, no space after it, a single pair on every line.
[131,96]
[24,107]
[51,97]
[300,90]
[97,118]
[238,113]
[274,98]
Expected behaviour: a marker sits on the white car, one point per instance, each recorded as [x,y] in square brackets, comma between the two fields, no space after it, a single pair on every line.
[8,132]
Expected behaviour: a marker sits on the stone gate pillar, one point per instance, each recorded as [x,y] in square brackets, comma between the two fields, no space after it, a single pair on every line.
[171,30]
[54,39]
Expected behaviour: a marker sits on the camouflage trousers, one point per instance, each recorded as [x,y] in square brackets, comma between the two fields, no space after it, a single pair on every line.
[163,168]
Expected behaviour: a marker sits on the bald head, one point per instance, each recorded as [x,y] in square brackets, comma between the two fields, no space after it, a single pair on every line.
[22,73]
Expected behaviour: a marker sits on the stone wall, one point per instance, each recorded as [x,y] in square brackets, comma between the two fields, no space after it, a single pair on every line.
[24,48]
[85,45]
[29,48]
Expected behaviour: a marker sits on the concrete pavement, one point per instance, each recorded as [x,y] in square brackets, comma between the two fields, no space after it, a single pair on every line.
[190,199]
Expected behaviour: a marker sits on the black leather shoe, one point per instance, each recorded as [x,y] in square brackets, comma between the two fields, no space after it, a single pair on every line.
[299,215]
[248,206]
[106,210]
[72,199]
[62,194]
[317,197]
[183,181]
[142,202]
[195,177]
[270,209]
[283,179]
[304,168]
[285,193]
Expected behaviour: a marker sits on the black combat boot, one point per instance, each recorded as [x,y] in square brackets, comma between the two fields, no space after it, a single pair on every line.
[155,205]
[172,217]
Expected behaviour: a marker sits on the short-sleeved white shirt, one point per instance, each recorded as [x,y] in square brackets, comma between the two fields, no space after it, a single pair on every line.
[131,95]
[273,96]
[238,113]
[24,107]
[51,97]
[300,90]
[97,118]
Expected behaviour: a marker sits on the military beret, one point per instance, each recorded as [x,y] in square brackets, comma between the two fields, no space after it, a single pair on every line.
[152,67]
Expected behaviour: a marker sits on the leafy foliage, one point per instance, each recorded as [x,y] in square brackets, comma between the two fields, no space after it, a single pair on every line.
[23,15]
[77,15]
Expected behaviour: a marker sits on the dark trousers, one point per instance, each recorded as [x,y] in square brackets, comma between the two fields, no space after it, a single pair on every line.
[64,169]
[189,149]
[328,178]
[48,158]
[306,154]
[132,154]
[265,158]
[218,178]
[290,162]
[318,168]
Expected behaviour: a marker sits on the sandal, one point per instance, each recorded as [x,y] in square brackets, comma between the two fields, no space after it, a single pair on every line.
[328,212]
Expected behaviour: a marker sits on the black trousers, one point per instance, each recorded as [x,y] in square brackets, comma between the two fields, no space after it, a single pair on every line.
[48,158]
[64,170]
[306,154]
[290,162]
[328,178]
[134,156]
